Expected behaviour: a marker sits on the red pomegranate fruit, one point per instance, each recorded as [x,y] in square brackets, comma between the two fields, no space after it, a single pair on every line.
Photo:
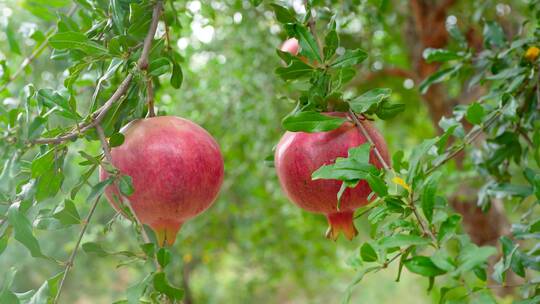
[176,168]
[291,46]
[299,154]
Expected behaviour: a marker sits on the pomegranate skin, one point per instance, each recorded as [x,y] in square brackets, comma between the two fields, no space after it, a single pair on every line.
[176,168]
[299,154]
[290,46]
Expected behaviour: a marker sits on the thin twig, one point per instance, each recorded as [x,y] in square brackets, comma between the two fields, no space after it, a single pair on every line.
[69,263]
[107,152]
[100,113]
[150,97]
[28,60]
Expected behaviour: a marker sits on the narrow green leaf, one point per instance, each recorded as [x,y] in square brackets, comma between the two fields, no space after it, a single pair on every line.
[310,122]
[67,213]
[427,201]
[308,44]
[440,55]
[23,231]
[439,76]
[423,266]
[350,58]
[283,14]
[401,240]
[368,253]
[126,185]
[177,76]
[117,139]
[162,285]
[296,69]
[163,256]
[370,100]
[78,41]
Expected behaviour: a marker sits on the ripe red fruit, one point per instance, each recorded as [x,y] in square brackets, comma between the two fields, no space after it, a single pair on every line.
[290,46]
[299,154]
[176,168]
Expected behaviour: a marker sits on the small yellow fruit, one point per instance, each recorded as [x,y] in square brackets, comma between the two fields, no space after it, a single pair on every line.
[532,53]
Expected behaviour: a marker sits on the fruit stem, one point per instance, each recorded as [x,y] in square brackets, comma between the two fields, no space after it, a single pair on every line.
[364,132]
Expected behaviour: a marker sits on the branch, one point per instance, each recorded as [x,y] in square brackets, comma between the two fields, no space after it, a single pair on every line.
[28,60]
[100,113]
[156,14]
[469,138]
[69,263]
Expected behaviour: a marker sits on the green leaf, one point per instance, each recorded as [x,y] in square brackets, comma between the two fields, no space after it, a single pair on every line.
[296,69]
[423,266]
[357,279]
[439,76]
[67,213]
[310,121]
[76,41]
[54,100]
[400,240]
[442,260]
[331,42]
[47,291]
[350,58]
[117,139]
[493,34]
[3,242]
[177,76]
[440,55]
[428,195]
[377,185]
[417,155]
[368,253]
[472,256]
[98,189]
[136,291]
[283,15]
[94,248]
[49,185]
[12,39]
[308,44]
[126,185]
[387,110]
[6,295]
[370,100]
[163,256]
[118,15]
[162,285]
[23,231]
[43,163]
[448,227]
[159,66]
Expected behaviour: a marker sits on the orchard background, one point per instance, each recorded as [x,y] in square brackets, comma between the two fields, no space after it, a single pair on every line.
[452,85]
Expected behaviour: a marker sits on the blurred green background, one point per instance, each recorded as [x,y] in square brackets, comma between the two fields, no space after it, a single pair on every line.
[252,245]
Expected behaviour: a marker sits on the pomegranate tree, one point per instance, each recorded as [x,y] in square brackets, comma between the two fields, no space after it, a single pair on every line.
[176,168]
[299,154]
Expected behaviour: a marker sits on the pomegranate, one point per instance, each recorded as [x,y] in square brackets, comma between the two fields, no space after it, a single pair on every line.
[291,46]
[176,168]
[299,154]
